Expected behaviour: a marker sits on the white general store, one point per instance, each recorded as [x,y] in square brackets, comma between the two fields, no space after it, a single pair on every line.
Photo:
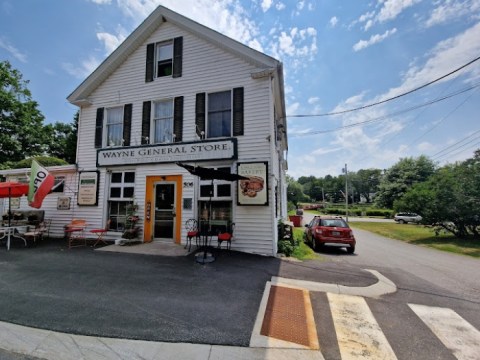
[176,91]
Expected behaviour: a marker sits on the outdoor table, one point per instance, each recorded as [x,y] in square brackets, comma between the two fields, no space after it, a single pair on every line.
[12,231]
[203,256]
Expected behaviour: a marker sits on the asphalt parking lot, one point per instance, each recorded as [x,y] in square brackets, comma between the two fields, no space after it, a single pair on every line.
[149,297]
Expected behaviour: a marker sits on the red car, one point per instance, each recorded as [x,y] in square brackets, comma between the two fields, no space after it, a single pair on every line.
[329,230]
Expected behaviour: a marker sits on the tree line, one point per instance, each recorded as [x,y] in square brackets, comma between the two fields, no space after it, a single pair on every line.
[447,197]
[23,133]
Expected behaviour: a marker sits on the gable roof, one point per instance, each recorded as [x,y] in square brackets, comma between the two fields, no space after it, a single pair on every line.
[160,15]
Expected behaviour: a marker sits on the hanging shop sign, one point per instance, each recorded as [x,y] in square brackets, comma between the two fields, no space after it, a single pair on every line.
[253,191]
[167,153]
[88,188]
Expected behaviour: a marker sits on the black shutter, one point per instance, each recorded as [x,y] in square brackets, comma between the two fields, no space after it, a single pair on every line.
[178,118]
[238,111]
[127,124]
[147,106]
[150,63]
[177,56]
[200,114]
[99,128]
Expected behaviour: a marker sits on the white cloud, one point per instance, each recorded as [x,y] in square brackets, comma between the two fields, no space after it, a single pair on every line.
[327,150]
[266,4]
[292,108]
[286,43]
[110,41]
[17,54]
[333,21]
[366,16]
[102,2]
[280,6]
[425,147]
[442,59]
[224,16]
[297,45]
[374,39]
[453,10]
[86,67]
[389,10]
[313,100]
[392,8]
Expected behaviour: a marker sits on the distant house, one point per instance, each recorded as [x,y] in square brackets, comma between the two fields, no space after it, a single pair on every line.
[176,91]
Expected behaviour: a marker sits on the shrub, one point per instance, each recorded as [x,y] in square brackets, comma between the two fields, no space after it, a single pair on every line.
[286,247]
[379,212]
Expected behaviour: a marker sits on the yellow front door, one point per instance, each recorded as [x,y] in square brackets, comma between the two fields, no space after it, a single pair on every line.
[163,198]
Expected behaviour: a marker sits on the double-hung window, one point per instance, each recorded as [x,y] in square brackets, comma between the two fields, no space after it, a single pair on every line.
[115,126]
[164,58]
[163,121]
[121,192]
[219,120]
[219,114]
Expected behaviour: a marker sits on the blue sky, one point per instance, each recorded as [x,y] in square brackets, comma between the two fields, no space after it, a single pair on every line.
[337,55]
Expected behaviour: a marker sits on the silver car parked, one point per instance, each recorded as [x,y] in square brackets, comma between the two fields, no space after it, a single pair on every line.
[406,217]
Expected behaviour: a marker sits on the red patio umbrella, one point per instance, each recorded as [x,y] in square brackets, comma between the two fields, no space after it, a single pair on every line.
[12,189]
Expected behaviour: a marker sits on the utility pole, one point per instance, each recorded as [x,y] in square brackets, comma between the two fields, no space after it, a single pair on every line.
[346,192]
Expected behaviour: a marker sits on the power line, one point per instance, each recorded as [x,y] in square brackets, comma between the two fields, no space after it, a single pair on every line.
[388,116]
[443,119]
[389,99]
[456,146]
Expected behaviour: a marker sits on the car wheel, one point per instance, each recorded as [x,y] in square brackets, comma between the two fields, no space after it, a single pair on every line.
[402,221]
[351,249]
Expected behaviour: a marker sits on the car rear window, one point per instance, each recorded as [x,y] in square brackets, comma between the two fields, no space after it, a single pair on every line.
[334,223]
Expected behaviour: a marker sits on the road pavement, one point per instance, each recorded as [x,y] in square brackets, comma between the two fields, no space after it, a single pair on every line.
[144,306]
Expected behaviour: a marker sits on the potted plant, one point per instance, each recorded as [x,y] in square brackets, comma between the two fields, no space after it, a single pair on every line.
[131,228]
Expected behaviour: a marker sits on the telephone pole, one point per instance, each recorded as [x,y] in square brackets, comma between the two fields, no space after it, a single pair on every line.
[346,192]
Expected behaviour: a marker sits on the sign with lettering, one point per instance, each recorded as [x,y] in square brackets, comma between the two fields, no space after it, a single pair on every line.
[88,188]
[167,153]
[63,203]
[253,191]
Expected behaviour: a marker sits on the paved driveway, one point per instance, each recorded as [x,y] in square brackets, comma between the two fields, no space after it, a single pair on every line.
[136,296]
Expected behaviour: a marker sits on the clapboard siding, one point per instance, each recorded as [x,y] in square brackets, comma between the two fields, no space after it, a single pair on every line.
[206,68]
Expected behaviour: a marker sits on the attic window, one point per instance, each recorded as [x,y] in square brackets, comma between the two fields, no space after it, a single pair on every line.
[164,58]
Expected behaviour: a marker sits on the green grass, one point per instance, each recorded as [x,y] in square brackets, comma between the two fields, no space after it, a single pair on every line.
[421,235]
[302,251]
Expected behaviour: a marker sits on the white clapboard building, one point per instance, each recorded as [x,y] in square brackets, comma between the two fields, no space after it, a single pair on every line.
[176,91]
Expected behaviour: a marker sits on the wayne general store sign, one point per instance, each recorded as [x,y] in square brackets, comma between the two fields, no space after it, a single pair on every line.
[166,153]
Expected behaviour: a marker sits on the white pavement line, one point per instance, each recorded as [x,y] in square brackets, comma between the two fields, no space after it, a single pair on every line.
[382,287]
[358,333]
[453,331]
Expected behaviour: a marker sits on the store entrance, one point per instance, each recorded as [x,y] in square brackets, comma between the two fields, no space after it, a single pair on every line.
[165,211]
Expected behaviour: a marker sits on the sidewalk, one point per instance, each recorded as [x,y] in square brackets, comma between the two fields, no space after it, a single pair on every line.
[52,345]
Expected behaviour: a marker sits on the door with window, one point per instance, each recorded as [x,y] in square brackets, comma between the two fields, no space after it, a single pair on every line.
[165,211]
